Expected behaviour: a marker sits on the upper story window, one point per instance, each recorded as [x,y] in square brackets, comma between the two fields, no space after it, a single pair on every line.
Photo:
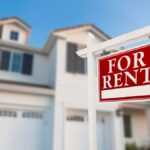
[16,62]
[5,60]
[75,64]
[14,35]
[127,126]
[27,64]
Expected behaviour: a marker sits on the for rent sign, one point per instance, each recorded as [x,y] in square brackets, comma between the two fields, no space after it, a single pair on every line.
[125,75]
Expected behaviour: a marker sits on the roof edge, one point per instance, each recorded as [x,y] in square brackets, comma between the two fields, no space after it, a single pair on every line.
[20,87]
[17,18]
[83,25]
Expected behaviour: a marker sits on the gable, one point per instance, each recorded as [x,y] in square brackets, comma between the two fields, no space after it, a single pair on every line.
[76,34]
[81,37]
[81,28]
[17,21]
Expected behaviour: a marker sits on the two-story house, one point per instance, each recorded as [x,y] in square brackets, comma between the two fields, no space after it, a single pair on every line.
[43,95]
[26,99]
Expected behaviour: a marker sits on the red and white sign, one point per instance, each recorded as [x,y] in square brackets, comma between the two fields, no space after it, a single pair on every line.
[125,75]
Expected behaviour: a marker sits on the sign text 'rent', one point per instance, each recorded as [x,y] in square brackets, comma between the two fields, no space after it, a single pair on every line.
[125,75]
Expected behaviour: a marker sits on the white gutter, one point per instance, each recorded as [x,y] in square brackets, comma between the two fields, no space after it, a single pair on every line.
[26,89]
[20,47]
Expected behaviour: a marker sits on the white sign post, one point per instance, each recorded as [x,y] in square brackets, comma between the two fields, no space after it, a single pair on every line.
[91,52]
[91,67]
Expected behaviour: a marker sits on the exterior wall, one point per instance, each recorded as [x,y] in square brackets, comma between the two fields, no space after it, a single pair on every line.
[71,92]
[140,129]
[39,74]
[52,59]
[13,27]
[140,126]
[73,83]
[148,118]
[23,100]
[81,37]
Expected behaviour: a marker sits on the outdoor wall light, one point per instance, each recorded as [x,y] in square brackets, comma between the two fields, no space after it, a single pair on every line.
[119,112]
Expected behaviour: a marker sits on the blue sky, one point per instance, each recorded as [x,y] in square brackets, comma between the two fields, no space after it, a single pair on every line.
[114,17]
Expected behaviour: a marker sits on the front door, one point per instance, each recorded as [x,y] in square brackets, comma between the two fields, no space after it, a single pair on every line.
[76,131]
[104,132]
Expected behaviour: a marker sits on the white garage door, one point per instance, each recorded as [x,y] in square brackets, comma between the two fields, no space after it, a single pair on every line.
[104,131]
[76,132]
[76,135]
[22,130]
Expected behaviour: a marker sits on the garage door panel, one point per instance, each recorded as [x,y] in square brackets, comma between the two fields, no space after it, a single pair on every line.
[7,119]
[77,136]
[76,131]
[22,132]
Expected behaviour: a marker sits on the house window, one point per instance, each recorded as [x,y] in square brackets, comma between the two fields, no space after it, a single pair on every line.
[27,64]
[75,64]
[75,118]
[8,113]
[127,126]
[33,115]
[14,35]
[16,62]
[5,60]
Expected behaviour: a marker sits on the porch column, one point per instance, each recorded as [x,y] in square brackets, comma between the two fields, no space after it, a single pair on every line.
[60,109]
[119,140]
[59,126]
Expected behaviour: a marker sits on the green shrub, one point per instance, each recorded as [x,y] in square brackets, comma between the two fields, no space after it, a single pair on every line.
[131,146]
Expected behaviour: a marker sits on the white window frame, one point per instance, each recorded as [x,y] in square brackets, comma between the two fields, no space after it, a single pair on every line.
[11,61]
